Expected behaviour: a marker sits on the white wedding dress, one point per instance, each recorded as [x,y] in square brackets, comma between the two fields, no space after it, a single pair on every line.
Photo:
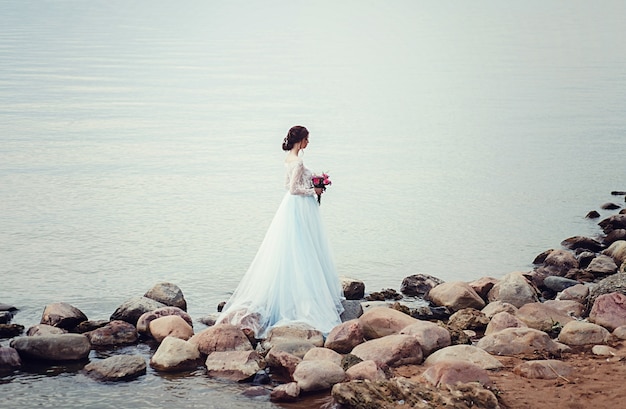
[292,278]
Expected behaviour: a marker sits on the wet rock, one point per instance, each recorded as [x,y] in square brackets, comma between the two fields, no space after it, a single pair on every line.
[87,326]
[585,258]
[464,353]
[383,295]
[352,289]
[541,316]
[430,336]
[115,333]
[168,294]
[9,359]
[468,319]
[345,336]
[558,284]
[583,333]
[5,317]
[581,242]
[392,350]
[610,206]
[318,375]
[495,307]
[514,289]
[543,369]
[61,347]
[503,320]
[369,370]
[453,372]
[62,315]
[519,341]
[175,355]
[282,362]
[615,235]
[455,295]
[10,330]
[352,309]
[617,221]
[117,368]
[592,215]
[419,284]
[323,354]
[380,322]
[293,332]
[132,309]
[541,258]
[255,391]
[44,329]
[171,325]
[143,323]
[221,337]
[234,365]
[7,307]
[602,266]
[560,262]
[287,392]
[609,311]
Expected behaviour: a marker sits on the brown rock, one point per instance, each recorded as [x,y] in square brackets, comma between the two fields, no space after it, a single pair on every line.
[543,369]
[380,322]
[287,392]
[143,323]
[62,315]
[518,341]
[430,336]
[323,354]
[514,289]
[282,362]
[114,333]
[366,370]
[541,316]
[318,375]
[352,289]
[221,337]
[503,320]
[455,295]
[468,319]
[234,365]
[345,336]
[453,372]
[171,325]
[392,350]
[465,353]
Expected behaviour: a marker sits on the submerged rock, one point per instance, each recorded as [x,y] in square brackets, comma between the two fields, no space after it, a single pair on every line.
[117,368]
[60,347]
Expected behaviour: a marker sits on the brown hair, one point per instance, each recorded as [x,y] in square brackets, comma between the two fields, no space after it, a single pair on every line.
[296,134]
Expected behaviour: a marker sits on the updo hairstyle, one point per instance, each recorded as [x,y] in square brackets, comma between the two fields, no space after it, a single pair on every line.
[295,135]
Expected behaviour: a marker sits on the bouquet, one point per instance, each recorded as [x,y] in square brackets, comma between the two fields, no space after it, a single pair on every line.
[321,181]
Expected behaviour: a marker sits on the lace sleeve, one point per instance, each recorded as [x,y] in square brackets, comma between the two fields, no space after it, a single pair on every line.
[299,180]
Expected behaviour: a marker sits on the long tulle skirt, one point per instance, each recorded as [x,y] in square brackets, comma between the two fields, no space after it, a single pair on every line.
[292,278]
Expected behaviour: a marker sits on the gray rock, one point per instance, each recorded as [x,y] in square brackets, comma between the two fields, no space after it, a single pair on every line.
[352,309]
[168,294]
[514,288]
[117,368]
[558,284]
[62,315]
[602,265]
[9,359]
[132,309]
[61,347]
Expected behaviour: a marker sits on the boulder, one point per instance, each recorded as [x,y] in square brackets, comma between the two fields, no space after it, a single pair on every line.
[430,336]
[465,353]
[366,370]
[168,294]
[380,322]
[455,295]
[132,309]
[543,369]
[345,336]
[117,368]
[171,325]
[44,329]
[9,359]
[617,251]
[519,341]
[495,307]
[352,309]
[503,320]
[514,289]
[58,347]
[581,242]
[282,362]
[609,311]
[570,308]
[483,285]
[323,354]
[614,222]
[293,332]
[62,315]
[558,284]
[318,375]
[602,266]
[468,319]
[578,293]
[234,365]
[453,372]
[392,350]
[560,262]
[220,338]
[613,236]
[583,333]
[115,333]
[541,316]
[143,323]
[87,326]
[419,284]
[175,355]
[287,392]
[352,289]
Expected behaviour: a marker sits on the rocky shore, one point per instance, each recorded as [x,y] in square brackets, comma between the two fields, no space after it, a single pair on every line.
[551,337]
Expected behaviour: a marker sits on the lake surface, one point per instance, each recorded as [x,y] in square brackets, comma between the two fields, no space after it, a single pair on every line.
[140,142]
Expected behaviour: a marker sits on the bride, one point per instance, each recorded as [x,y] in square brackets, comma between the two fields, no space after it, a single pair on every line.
[292,278]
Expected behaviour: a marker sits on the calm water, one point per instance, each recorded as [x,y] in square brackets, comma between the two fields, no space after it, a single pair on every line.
[140,142]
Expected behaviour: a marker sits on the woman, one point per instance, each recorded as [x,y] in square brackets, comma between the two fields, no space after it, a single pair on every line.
[292,278]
